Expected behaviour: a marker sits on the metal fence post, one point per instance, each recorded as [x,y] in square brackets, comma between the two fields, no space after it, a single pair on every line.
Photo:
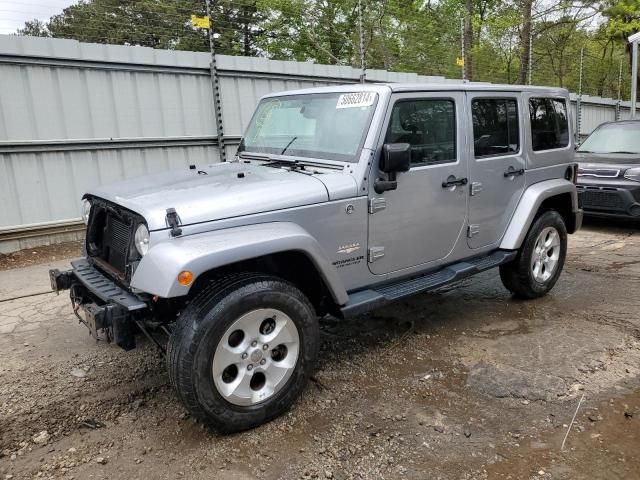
[530,56]
[215,84]
[579,100]
[634,39]
[464,67]
[619,92]
[363,63]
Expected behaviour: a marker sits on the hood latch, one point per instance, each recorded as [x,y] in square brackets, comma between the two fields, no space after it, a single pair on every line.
[173,220]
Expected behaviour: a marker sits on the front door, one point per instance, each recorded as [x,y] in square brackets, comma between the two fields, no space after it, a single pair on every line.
[496,166]
[422,220]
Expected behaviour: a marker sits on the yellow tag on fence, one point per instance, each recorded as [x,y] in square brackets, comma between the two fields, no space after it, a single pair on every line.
[199,22]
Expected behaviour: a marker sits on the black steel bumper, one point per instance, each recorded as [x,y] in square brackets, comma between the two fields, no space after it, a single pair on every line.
[106,307]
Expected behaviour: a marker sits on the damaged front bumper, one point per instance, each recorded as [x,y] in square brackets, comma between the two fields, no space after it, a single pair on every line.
[100,303]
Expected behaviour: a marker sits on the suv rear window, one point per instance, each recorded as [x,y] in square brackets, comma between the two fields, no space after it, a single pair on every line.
[495,127]
[549,123]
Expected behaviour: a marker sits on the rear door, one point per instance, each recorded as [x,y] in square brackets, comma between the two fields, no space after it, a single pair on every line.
[497,164]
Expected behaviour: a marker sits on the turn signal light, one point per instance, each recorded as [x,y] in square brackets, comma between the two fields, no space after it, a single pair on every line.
[185,278]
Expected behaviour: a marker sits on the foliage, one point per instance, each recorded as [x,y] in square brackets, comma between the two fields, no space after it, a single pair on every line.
[422,36]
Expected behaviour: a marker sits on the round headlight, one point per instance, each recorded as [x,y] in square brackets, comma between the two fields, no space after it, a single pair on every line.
[141,239]
[86,209]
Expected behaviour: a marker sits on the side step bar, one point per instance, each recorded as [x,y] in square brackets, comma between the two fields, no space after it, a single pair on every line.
[365,300]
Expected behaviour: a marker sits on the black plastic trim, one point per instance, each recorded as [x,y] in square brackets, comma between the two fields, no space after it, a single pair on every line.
[103,287]
[363,301]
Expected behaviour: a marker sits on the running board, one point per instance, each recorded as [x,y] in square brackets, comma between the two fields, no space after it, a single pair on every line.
[365,300]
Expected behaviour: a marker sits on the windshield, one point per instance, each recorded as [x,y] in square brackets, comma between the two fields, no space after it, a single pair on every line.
[328,125]
[614,138]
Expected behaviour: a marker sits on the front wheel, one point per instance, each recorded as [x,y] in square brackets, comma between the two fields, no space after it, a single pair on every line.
[243,351]
[540,259]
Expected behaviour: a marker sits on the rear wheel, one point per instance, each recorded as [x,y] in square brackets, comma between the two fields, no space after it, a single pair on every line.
[540,259]
[243,351]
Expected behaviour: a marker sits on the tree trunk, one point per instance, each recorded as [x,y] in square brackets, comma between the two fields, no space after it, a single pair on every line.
[467,39]
[525,41]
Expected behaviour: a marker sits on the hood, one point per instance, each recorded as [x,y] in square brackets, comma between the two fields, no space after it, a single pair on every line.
[598,166]
[624,160]
[219,191]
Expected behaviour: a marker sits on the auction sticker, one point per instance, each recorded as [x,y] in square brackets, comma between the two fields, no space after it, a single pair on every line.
[356,99]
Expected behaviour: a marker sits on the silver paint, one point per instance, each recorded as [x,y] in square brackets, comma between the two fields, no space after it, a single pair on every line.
[418,227]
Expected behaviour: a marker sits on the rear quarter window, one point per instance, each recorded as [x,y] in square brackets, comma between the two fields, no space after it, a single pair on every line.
[549,123]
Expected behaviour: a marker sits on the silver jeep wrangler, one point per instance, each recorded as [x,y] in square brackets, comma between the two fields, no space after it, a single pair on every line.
[340,200]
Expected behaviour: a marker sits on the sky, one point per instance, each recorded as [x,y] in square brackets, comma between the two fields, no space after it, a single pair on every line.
[13,13]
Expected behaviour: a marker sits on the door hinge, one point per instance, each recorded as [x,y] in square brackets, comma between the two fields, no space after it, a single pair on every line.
[473,230]
[476,188]
[377,204]
[375,253]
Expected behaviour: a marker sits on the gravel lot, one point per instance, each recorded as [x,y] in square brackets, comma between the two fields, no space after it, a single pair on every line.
[466,383]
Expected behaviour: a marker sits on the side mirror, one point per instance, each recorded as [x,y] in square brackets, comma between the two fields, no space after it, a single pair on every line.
[396,157]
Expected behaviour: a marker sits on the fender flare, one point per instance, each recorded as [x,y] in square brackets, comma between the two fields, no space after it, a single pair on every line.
[528,207]
[158,270]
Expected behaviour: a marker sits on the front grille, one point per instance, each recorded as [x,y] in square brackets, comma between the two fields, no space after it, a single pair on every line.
[117,240]
[110,236]
[602,199]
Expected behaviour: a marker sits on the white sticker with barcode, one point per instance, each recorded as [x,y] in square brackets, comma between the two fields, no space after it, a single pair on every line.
[356,99]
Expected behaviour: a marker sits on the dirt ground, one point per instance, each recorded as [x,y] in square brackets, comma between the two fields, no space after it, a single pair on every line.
[38,255]
[466,383]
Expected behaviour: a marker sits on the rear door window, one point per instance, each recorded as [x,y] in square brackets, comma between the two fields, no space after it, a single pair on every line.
[495,127]
[549,123]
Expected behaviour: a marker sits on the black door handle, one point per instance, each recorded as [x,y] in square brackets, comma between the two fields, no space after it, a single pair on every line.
[452,181]
[512,172]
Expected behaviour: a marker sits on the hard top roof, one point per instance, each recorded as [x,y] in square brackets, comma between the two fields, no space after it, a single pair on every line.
[427,87]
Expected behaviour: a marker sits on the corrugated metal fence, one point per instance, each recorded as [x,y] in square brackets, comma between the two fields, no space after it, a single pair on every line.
[75,115]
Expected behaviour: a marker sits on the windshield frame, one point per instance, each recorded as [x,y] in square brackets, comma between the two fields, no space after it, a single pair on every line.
[626,125]
[313,156]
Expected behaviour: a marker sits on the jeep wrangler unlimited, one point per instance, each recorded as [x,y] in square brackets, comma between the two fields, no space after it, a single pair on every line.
[339,200]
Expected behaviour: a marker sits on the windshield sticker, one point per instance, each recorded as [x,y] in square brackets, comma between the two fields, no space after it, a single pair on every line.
[358,99]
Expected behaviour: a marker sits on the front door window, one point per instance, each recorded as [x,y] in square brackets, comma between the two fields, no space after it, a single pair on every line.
[429,126]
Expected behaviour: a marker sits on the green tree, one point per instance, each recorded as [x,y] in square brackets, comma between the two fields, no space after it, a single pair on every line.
[162,24]
[623,20]
[422,36]
[34,28]
[309,30]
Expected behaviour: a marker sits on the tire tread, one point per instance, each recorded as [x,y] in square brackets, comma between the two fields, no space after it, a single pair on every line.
[183,343]
[516,275]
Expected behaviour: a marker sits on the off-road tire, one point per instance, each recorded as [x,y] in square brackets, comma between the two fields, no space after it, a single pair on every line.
[517,276]
[201,326]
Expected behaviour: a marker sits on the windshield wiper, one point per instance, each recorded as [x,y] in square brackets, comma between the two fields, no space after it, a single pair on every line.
[279,162]
[288,145]
[624,151]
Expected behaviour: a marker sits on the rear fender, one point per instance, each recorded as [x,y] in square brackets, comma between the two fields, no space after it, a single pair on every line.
[530,203]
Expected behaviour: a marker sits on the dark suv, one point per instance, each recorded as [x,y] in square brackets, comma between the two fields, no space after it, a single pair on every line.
[609,171]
